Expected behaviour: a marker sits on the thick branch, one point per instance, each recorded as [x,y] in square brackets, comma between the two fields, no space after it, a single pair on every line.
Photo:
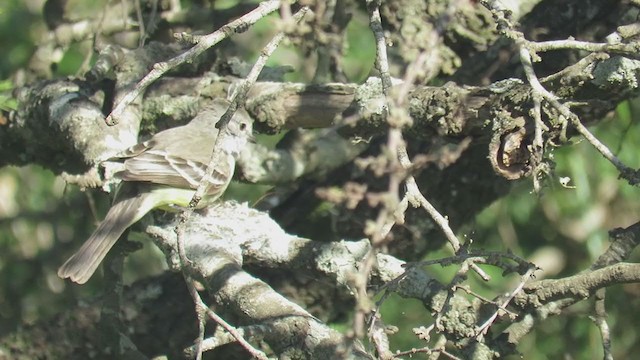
[578,287]
[215,245]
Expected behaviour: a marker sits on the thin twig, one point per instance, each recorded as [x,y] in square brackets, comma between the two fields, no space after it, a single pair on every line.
[94,36]
[200,304]
[382,62]
[222,337]
[481,256]
[199,307]
[416,197]
[238,100]
[630,49]
[363,306]
[240,97]
[626,172]
[143,31]
[413,191]
[482,329]
[538,143]
[600,319]
[525,49]
[468,290]
[204,43]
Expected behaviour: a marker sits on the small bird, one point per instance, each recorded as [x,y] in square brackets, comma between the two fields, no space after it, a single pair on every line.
[165,171]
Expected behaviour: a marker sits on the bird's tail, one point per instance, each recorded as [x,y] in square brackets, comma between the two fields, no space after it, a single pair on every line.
[123,213]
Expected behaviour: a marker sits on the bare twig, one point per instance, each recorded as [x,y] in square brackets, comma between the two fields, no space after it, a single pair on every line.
[221,337]
[434,353]
[204,43]
[238,100]
[626,172]
[580,286]
[415,197]
[630,49]
[482,257]
[380,339]
[398,164]
[538,143]
[525,49]
[482,329]
[363,305]
[201,307]
[382,63]
[600,318]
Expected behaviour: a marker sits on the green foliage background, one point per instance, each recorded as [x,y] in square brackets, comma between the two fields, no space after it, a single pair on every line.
[563,229]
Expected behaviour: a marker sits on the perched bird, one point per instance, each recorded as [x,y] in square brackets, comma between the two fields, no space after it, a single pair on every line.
[165,171]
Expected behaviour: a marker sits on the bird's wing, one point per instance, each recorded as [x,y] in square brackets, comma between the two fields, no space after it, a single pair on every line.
[159,167]
[178,156]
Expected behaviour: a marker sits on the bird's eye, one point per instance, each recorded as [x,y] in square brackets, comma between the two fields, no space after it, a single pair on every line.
[243,126]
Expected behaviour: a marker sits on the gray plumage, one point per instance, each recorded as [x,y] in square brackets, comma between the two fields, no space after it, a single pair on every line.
[165,170]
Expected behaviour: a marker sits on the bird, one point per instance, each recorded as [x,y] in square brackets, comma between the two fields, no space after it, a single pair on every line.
[161,172]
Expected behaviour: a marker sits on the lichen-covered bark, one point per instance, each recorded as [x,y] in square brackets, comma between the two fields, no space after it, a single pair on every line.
[468,139]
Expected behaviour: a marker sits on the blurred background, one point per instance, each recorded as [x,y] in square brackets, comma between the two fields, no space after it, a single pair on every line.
[562,230]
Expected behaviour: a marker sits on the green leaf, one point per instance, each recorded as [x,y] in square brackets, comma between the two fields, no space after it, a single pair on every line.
[6,85]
